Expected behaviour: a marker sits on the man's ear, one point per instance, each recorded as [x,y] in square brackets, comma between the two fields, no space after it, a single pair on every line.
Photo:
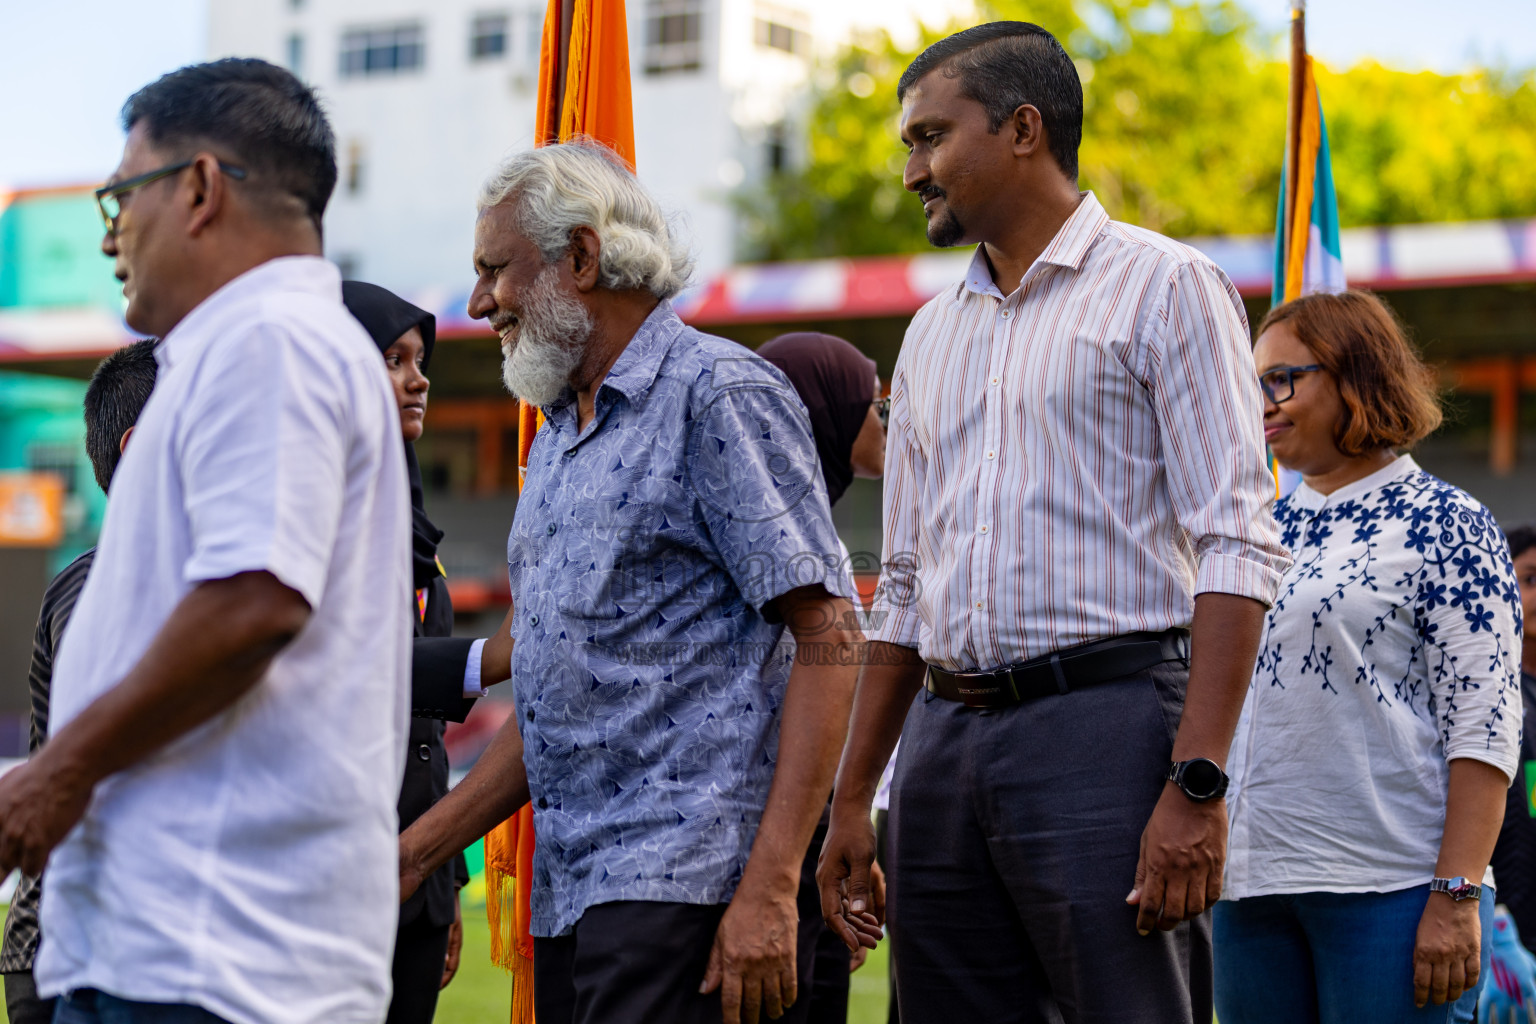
[122,442]
[586,252]
[208,192]
[1028,130]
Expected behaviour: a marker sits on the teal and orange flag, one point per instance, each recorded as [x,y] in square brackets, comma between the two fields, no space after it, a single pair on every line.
[1307,257]
[1307,253]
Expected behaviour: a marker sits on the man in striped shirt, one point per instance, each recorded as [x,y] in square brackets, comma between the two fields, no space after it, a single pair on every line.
[117,393]
[1078,556]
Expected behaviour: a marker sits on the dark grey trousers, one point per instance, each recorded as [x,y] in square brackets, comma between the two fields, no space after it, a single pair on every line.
[1016,835]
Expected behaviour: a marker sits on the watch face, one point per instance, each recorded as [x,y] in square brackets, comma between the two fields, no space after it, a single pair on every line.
[1201,777]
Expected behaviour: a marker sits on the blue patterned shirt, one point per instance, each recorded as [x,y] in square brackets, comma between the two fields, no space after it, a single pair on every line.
[648,672]
[1392,648]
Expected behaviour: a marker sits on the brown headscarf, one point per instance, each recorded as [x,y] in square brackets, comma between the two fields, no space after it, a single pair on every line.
[837,384]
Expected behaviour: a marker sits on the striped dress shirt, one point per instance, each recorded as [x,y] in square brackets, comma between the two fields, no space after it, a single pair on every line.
[1076,460]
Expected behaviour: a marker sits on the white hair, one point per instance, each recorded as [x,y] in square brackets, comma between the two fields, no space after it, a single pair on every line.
[556,189]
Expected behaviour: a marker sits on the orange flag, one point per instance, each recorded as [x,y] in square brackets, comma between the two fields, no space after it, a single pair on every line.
[583,92]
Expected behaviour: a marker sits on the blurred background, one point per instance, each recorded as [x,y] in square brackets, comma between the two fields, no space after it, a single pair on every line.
[768,126]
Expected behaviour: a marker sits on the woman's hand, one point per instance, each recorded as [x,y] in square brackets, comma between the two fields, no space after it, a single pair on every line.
[1446,954]
[455,944]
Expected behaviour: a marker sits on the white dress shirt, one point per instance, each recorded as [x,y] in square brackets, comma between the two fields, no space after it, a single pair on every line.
[1393,647]
[251,866]
[1076,460]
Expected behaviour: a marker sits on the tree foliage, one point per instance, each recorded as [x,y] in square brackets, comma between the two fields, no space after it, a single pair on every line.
[1184,120]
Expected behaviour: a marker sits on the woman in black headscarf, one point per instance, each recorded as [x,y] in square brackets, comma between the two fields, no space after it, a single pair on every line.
[840,387]
[430,933]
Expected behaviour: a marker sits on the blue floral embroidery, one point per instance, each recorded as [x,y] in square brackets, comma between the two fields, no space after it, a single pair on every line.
[1456,559]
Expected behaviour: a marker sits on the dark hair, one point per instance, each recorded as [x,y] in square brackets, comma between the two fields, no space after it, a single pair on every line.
[1521,539]
[1003,65]
[269,122]
[1390,397]
[113,400]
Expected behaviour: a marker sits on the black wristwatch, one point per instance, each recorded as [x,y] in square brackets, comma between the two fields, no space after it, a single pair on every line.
[1200,778]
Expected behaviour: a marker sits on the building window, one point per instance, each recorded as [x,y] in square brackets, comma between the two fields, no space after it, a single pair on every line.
[374,51]
[296,54]
[778,149]
[674,34]
[488,37]
[787,31]
[354,175]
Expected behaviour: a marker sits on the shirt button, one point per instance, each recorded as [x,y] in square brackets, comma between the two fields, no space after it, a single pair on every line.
[543,804]
[983,529]
[533,620]
[981,605]
[991,455]
[551,530]
[530,714]
[424,752]
[994,381]
[1007,314]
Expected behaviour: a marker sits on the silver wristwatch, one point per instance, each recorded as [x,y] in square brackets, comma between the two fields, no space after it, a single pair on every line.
[1458,888]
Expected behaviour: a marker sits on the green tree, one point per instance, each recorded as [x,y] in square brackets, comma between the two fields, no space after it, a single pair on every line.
[1184,116]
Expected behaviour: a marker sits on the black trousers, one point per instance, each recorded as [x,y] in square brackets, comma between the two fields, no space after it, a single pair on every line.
[22,1005]
[420,951]
[1016,836]
[628,963]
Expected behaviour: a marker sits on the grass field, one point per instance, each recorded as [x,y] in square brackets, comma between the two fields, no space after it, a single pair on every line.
[480,994]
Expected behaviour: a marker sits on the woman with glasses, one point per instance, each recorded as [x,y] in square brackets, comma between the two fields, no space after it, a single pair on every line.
[1382,724]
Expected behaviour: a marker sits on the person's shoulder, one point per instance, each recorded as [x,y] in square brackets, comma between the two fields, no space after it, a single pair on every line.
[1446,499]
[64,589]
[711,366]
[1142,244]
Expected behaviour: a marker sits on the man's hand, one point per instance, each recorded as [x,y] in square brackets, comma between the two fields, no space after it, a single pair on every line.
[38,807]
[852,887]
[455,944]
[753,960]
[1183,852]
[412,870]
[1447,951]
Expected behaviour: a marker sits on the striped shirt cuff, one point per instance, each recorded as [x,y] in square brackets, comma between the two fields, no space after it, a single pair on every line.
[1235,574]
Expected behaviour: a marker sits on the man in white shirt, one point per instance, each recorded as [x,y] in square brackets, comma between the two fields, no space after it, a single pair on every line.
[1078,554]
[229,704]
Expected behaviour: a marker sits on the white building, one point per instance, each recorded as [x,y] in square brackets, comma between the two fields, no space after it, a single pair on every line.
[426,97]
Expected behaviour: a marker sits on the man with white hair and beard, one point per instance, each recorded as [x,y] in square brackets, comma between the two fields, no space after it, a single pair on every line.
[684,648]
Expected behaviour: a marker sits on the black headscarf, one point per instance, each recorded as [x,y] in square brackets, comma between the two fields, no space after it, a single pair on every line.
[386,316]
[837,384]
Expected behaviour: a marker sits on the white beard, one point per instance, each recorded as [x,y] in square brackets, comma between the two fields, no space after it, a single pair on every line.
[552,336]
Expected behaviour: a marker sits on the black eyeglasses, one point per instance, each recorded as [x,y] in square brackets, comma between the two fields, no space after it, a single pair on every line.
[1279,384]
[883,410]
[107,197]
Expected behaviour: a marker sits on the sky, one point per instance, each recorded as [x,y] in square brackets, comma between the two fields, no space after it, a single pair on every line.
[67,65]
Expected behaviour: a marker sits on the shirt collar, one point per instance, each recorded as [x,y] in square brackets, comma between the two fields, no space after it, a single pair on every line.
[633,373]
[311,274]
[1399,468]
[1068,248]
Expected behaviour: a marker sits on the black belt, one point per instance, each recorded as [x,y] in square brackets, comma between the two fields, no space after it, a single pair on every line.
[1062,671]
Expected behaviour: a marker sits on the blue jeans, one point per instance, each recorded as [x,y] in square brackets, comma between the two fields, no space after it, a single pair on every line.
[1329,958]
[88,1006]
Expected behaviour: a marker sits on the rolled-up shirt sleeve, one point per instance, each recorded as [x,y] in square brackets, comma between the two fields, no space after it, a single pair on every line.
[1471,630]
[1210,419]
[895,617]
[263,456]
[755,471]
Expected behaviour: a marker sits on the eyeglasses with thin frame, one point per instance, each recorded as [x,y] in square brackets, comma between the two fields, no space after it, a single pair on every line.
[883,410]
[108,197]
[1279,384]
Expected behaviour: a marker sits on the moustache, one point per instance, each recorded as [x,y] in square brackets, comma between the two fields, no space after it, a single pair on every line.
[928,192]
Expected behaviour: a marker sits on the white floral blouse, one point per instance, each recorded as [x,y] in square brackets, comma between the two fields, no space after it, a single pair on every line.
[1394,647]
